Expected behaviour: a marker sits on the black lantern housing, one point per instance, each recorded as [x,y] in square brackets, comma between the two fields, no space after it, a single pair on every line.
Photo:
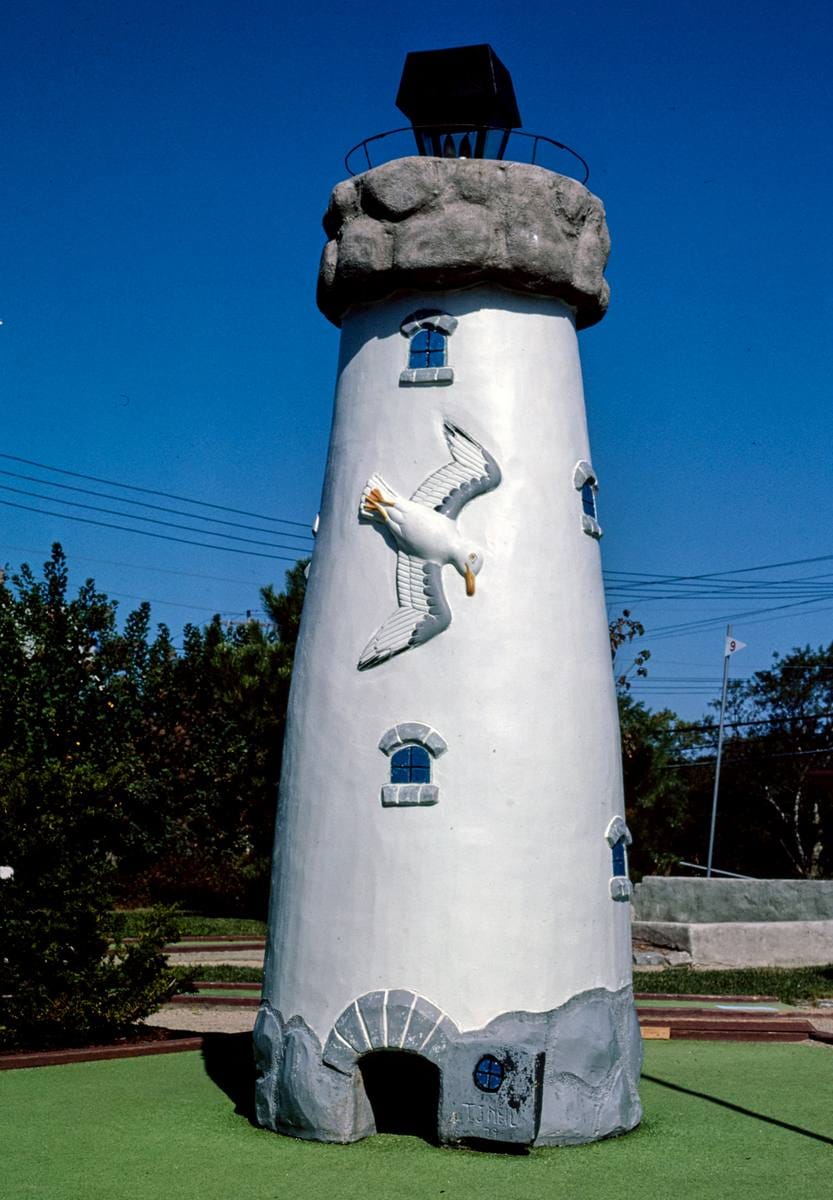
[461,102]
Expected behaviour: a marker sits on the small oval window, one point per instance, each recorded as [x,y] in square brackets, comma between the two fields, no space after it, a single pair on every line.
[489,1073]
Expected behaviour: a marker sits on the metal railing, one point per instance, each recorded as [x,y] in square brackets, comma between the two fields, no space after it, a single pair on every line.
[482,141]
[714,870]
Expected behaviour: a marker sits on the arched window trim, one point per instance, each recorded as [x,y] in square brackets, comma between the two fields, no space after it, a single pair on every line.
[411,733]
[431,320]
[584,476]
[618,837]
[391,1020]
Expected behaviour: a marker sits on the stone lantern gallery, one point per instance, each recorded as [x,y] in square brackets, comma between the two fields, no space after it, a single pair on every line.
[447,933]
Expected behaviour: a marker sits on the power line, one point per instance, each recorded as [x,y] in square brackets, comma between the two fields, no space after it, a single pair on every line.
[766,588]
[69,487]
[761,721]
[630,599]
[240,512]
[707,589]
[665,631]
[107,562]
[743,758]
[147,532]
[114,512]
[795,562]
[175,603]
[665,691]
[643,579]
[701,679]
[632,587]
[156,599]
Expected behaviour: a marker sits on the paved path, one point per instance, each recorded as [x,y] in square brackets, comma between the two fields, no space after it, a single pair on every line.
[225,958]
[204,1018]
[218,1018]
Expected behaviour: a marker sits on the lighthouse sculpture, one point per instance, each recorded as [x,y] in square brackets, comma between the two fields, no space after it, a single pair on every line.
[449,927]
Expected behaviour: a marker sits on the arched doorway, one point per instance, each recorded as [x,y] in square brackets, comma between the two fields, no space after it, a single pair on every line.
[404,1092]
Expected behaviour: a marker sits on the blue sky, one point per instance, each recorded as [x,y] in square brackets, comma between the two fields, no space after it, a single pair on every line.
[164,170]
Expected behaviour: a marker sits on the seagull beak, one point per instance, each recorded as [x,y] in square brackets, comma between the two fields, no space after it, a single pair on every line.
[469,581]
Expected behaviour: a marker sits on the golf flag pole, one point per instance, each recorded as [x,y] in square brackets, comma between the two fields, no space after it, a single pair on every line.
[731,646]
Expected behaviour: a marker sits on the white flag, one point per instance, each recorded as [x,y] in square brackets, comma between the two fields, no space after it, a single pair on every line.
[732,646]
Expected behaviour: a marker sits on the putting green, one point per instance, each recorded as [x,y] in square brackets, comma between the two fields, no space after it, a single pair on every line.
[718,1006]
[220,991]
[159,1129]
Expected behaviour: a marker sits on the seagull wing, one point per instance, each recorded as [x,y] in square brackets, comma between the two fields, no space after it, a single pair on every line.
[471,472]
[423,611]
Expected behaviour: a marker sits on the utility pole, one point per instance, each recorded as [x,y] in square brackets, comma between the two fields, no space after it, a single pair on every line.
[730,648]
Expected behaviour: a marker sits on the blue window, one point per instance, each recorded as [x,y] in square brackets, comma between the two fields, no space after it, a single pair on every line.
[620,861]
[411,764]
[588,499]
[488,1074]
[427,349]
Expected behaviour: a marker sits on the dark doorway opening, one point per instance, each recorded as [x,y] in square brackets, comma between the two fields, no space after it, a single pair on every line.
[404,1092]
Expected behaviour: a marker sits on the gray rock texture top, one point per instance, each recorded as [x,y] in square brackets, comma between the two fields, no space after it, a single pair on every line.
[420,224]
[678,898]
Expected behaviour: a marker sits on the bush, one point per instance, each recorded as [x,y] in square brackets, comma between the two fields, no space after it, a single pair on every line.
[231,885]
[66,975]
[792,985]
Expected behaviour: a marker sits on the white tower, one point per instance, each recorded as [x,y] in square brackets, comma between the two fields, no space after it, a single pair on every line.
[446,925]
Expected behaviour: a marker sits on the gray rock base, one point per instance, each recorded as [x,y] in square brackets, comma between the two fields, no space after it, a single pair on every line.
[569,1075]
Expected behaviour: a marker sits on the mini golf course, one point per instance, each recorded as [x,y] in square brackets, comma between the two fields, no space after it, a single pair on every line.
[721,1120]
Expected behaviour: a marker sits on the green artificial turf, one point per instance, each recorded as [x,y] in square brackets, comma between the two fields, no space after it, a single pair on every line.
[787,983]
[714,1006]
[219,973]
[154,1128]
[196,926]
[221,991]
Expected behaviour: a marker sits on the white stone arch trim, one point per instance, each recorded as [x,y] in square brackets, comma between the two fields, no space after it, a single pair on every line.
[409,733]
[582,474]
[427,318]
[388,1020]
[616,831]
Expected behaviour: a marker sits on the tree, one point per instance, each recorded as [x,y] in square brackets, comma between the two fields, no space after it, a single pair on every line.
[623,630]
[284,608]
[130,769]
[776,785]
[186,745]
[662,812]
[64,790]
[211,740]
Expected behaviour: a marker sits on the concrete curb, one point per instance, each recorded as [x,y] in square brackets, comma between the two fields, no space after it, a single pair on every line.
[57,1058]
[743,943]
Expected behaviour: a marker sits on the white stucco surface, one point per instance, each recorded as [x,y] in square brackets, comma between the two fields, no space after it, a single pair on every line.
[497,898]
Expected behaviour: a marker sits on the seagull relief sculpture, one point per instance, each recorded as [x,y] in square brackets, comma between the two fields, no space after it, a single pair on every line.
[427,537]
